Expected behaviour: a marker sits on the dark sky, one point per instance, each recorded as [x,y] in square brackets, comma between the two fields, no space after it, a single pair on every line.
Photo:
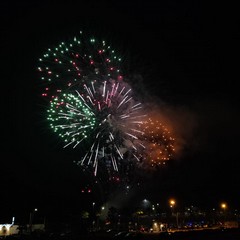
[188,56]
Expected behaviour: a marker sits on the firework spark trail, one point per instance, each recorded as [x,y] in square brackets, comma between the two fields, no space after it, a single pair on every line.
[95,164]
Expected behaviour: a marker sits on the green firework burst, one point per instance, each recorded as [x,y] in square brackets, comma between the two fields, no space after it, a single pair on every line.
[71,118]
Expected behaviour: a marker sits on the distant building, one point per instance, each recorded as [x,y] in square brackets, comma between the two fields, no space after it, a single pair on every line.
[9,228]
[36,227]
[231,224]
[12,229]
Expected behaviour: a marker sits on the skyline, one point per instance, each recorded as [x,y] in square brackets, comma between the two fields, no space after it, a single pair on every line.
[182,60]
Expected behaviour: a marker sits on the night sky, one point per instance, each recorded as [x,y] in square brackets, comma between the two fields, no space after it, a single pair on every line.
[185,59]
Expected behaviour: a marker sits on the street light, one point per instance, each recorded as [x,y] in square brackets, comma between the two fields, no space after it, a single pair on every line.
[224,207]
[93,222]
[172,203]
[146,203]
[31,219]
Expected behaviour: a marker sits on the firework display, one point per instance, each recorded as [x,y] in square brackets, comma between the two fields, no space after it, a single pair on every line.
[91,106]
